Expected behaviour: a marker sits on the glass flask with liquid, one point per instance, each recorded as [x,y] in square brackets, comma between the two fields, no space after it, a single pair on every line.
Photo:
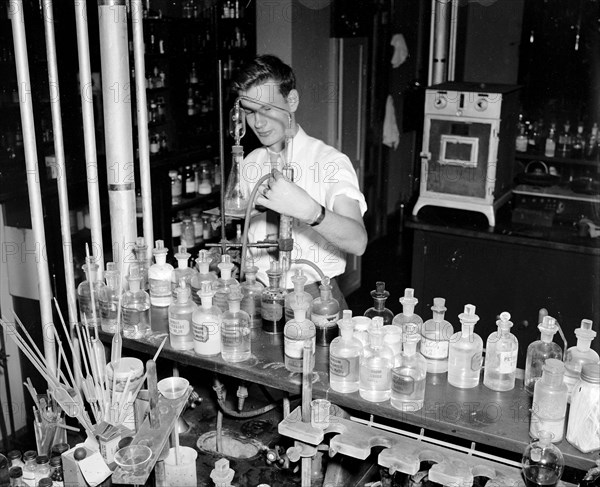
[344,357]
[377,360]
[223,285]
[380,295]
[237,195]
[465,352]
[435,338]
[183,271]
[297,331]
[549,405]
[325,313]
[542,463]
[408,316]
[408,376]
[159,277]
[206,323]
[135,307]
[235,329]
[539,351]
[252,293]
[298,280]
[89,306]
[109,298]
[579,355]
[203,274]
[272,303]
[501,353]
[181,333]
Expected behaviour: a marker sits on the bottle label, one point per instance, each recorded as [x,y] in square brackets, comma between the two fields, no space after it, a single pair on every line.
[233,336]
[324,320]
[190,186]
[476,361]
[377,376]
[271,311]
[508,362]
[203,331]
[178,326]
[108,310]
[402,384]
[158,287]
[343,367]
[434,349]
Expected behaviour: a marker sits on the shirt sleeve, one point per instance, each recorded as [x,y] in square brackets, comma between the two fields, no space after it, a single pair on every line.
[340,179]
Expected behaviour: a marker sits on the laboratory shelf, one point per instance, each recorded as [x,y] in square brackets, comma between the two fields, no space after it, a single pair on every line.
[487,418]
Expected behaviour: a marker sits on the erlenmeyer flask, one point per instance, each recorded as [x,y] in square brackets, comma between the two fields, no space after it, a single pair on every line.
[236,194]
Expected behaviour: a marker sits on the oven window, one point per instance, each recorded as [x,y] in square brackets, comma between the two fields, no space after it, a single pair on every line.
[459,151]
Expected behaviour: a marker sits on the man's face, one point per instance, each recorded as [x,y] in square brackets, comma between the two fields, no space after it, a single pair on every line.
[269,124]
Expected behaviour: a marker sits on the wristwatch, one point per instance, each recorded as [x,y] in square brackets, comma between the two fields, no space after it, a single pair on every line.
[319,218]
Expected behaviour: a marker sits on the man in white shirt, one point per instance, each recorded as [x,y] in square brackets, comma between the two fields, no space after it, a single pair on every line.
[324,199]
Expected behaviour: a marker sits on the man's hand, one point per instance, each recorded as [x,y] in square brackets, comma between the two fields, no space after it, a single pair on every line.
[287,198]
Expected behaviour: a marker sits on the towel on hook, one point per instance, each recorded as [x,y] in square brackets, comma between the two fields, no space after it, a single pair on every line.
[400,50]
[391,134]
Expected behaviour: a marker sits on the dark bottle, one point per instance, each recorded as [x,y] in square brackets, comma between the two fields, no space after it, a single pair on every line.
[273,302]
[380,296]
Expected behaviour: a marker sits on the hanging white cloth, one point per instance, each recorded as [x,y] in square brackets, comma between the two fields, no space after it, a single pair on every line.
[391,134]
[400,50]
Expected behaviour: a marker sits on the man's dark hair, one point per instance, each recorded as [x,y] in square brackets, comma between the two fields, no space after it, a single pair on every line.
[265,68]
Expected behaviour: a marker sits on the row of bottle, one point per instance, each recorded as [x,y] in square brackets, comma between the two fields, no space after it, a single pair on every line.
[193,229]
[159,143]
[33,469]
[193,180]
[558,142]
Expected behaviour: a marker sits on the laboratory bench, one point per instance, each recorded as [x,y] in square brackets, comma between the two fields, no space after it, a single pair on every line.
[491,420]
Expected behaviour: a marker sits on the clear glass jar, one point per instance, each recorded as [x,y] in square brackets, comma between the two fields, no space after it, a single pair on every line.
[408,316]
[206,322]
[297,331]
[235,330]
[181,333]
[203,274]
[272,302]
[539,351]
[14,458]
[549,406]
[252,292]
[435,338]
[135,307]
[88,310]
[42,468]
[542,463]
[408,377]
[501,353]
[223,285]
[325,313]
[583,430]
[344,357]
[30,467]
[376,363]
[465,352]
[298,295]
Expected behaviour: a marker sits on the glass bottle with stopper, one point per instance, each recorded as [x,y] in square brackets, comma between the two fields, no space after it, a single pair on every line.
[135,306]
[408,377]
[435,338]
[297,331]
[579,355]
[159,277]
[109,298]
[540,351]
[181,333]
[549,405]
[223,285]
[183,271]
[501,353]
[298,280]
[141,256]
[252,293]
[272,301]
[203,274]
[237,195]
[465,352]
[344,357]
[377,360]
[325,313]
[206,322]
[542,463]
[380,295]
[89,304]
[235,330]
[408,316]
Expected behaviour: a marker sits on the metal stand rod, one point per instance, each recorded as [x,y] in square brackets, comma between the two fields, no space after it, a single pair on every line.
[142,118]
[89,133]
[222,155]
[17,18]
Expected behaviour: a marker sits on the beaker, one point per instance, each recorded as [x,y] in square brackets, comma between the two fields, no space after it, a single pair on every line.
[182,472]
[236,193]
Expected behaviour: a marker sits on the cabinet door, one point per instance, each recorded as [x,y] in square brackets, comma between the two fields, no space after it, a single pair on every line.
[500,276]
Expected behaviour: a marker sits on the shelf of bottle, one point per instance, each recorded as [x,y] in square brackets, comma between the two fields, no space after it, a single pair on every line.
[526,156]
[190,154]
[201,199]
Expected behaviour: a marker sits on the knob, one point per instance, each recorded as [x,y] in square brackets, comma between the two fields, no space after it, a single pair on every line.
[440,102]
[481,104]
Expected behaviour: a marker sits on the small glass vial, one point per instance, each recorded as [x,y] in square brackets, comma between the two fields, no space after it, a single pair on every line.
[344,357]
[299,281]
[579,355]
[188,235]
[30,467]
[325,313]
[205,186]
[203,274]
[252,292]
[16,477]
[176,187]
[89,306]
[377,361]
[296,332]
[144,261]
[14,458]
[272,301]
[159,277]
[181,333]
[183,271]
[45,481]
[135,307]
[583,428]
[549,406]
[56,471]
[465,352]
[235,330]
[543,463]
[501,353]
[540,351]
[198,230]
[206,322]
[223,285]
[435,338]
[380,296]
[42,470]
[408,376]
[109,298]
[408,316]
